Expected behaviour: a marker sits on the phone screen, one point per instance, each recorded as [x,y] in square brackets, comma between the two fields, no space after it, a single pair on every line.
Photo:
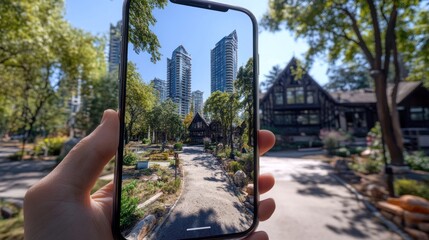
[189,130]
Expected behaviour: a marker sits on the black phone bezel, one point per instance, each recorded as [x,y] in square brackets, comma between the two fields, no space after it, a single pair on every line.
[122,92]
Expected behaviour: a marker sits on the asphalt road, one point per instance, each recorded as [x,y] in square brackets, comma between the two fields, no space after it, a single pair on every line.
[311,204]
[208,202]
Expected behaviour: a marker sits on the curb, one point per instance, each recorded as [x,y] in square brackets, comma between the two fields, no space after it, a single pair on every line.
[373,210]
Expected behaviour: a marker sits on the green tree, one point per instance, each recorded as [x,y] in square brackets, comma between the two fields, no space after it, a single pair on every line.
[165,120]
[271,77]
[349,77]
[244,88]
[140,99]
[376,31]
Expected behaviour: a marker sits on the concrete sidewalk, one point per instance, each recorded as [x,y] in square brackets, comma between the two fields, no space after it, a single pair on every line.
[311,204]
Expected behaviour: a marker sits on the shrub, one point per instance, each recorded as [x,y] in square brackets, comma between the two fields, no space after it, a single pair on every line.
[206,142]
[356,150]
[342,152]
[417,161]
[129,204]
[411,187]
[331,139]
[16,156]
[178,146]
[234,166]
[159,157]
[52,145]
[172,186]
[367,166]
[248,163]
[130,159]
[146,141]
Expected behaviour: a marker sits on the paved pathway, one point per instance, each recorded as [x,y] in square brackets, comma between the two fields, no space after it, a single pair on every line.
[17,176]
[205,202]
[311,204]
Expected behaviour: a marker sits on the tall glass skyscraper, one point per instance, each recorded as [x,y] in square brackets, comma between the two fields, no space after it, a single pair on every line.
[115,46]
[179,79]
[160,87]
[223,62]
[197,100]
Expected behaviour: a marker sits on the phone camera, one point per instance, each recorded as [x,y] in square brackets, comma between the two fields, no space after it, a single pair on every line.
[210,6]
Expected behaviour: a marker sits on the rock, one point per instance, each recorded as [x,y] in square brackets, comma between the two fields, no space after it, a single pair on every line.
[376,192]
[411,203]
[398,220]
[154,177]
[415,218]
[341,165]
[393,209]
[249,189]
[240,178]
[387,215]
[142,165]
[67,147]
[416,234]
[424,227]
[142,228]
[7,212]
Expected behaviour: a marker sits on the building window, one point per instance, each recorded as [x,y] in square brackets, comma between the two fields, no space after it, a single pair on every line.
[278,98]
[310,97]
[419,114]
[308,117]
[295,95]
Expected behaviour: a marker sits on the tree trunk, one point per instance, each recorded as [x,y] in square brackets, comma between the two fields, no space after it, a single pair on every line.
[387,119]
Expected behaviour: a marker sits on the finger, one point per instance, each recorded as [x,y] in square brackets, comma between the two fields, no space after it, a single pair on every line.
[81,168]
[266,182]
[258,236]
[266,209]
[266,141]
[104,198]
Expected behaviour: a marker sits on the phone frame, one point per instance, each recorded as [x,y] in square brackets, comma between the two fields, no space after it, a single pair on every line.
[122,96]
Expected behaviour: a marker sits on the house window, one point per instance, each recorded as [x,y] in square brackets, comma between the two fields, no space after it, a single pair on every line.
[284,118]
[310,97]
[295,95]
[419,114]
[308,117]
[278,98]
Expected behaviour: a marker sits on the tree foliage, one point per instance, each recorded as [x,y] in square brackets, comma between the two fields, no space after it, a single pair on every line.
[380,32]
[165,119]
[244,89]
[348,77]
[271,77]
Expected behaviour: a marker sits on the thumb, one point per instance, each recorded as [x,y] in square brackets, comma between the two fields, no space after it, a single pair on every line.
[81,168]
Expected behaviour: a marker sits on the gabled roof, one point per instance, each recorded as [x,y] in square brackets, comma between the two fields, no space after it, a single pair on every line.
[198,117]
[368,95]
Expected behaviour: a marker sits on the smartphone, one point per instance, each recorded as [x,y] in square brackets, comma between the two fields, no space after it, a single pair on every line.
[187,163]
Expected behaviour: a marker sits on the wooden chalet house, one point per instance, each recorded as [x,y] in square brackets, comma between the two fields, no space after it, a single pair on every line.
[297,109]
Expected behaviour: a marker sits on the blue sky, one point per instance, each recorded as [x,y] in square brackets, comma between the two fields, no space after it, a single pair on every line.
[95,16]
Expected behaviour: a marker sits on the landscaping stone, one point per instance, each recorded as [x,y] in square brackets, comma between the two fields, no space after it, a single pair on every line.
[424,227]
[393,209]
[416,234]
[7,212]
[376,192]
[411,203]
[240,178]
[142,165]
[154,177]
[387,215]
[142,228]
[415,218]
[250,189]
[398,220]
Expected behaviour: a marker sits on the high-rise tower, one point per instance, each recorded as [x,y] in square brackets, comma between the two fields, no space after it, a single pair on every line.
[179,79]
[223,62]
[115,46]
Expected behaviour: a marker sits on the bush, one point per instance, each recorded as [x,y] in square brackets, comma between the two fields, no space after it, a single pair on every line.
[16,156]
[411,187]
[130,159]
[342,152]
[146,141]
[417,161]
[234,166]
[159,157]
[172,186]
[178,146]
[206,142]
[331,139]
[129,203]
[356,150]
[52,145]
[367,166]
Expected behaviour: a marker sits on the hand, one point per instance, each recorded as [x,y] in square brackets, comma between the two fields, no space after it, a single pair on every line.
[60,205]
